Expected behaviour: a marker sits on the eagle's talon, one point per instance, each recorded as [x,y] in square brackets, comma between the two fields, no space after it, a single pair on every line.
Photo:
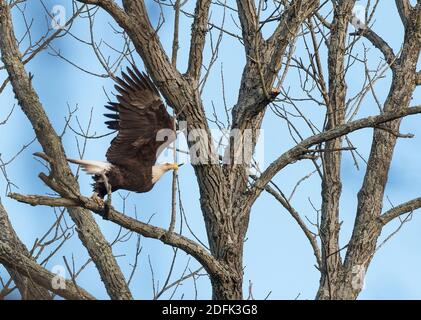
[97,199]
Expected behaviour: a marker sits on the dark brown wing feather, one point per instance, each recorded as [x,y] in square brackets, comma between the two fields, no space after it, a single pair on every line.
[139,115]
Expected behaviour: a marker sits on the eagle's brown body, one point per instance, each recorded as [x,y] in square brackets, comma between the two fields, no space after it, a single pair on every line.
[139,117]
[122,178]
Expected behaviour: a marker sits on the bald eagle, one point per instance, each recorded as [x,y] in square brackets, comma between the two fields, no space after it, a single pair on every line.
[139,117]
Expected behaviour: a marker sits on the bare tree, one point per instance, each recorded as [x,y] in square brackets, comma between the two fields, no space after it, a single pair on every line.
[270,32]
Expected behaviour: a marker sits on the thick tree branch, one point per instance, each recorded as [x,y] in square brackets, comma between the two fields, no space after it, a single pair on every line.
[89,232]
[404,8]
[198,36]
[332,161]
[25,266]
[252,36]
[27,288]
[399,210]
[211,265]
[363,242]
[380,44]
[113,9]
[296,10]
[294,15]
[301,149]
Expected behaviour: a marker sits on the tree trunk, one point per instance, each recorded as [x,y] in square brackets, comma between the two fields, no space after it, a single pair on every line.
[226,240]
[226,221]
[331,267]
[230,253]
[345,286]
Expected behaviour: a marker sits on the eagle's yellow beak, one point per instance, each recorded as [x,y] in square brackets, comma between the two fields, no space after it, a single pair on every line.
[176,166]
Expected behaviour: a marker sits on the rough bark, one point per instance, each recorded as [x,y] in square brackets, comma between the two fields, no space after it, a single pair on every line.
[367,228]
[26,286]
[331,181]
[368,225]
[41,277]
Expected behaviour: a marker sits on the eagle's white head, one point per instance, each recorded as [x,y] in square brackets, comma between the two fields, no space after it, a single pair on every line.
[160,169]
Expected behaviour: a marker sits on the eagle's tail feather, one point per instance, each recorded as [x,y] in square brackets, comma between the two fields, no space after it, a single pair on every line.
[92,166]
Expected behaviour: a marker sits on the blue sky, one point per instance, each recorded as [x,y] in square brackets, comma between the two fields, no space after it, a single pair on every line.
[277,258]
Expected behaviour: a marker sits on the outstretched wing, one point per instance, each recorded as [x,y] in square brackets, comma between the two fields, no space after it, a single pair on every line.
[144,125]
